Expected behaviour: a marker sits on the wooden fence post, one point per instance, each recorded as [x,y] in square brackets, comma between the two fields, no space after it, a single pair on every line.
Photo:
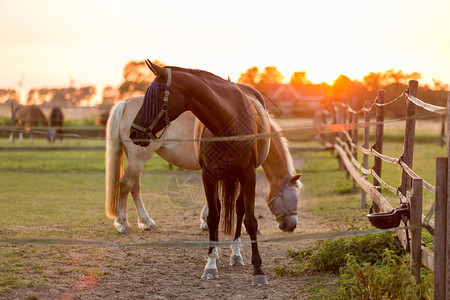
[410,127]
[440,224]
[337,110]
[447,232]
[416,224]
[365,163]
[13,121]
[443,131]
[354,138]
[378,146]
[334,121]
[347,119]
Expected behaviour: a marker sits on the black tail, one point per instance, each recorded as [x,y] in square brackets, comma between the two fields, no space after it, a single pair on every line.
[229,192]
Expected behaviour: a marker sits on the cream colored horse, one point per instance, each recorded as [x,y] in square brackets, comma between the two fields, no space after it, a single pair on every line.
[282,195]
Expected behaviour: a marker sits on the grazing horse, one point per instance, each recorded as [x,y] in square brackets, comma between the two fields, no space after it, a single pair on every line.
[229,163]
[26,117]
[282,194]
[57,120]
[102,118]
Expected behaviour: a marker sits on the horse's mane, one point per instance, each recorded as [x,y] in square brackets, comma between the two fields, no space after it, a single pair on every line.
[284,145]
[210,77]
[199,73]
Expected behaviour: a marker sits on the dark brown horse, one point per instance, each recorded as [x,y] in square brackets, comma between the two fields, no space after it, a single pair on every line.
[229,165]
[27,117]
[57,121]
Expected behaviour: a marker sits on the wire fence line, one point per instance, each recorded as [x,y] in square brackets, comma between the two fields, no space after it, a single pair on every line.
[320,236]
[309,131]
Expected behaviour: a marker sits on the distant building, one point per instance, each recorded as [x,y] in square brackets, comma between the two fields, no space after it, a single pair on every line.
[295,100]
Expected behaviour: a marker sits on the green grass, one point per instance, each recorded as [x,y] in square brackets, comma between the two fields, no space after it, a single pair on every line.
[51,195]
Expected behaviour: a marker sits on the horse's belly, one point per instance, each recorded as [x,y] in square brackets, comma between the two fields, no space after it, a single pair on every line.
[182,155]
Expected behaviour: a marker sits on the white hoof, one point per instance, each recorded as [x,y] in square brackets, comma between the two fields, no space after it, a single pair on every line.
[123,228]
[148,225]
[204,226]
[210,274]
[259,280]
[236,261]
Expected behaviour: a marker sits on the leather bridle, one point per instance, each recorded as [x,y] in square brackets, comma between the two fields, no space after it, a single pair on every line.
[163,112]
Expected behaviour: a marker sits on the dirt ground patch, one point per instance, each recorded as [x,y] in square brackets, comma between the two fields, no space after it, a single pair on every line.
[149,272]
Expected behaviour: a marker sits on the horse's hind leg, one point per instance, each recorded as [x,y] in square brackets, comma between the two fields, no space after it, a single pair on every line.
[126,183]
[130,182]
[236,257]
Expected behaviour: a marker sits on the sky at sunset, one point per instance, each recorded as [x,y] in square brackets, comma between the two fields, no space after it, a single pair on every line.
[51,42]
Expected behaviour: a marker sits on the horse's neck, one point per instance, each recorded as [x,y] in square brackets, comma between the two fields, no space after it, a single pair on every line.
[276,166]
[209,105]
[41,118]
[38,116]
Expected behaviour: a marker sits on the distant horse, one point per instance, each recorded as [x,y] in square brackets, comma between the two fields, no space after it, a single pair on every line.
[57,120]
[102,118]
[228,164]
[26,117]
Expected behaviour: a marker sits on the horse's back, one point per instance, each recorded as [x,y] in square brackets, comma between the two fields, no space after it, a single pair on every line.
[255,121]
[30,114]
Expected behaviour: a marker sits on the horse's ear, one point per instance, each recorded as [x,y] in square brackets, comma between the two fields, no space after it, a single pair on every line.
[149,65]
[295,178]
[157,70]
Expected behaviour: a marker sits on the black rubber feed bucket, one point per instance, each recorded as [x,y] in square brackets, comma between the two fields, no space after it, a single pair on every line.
[390,219]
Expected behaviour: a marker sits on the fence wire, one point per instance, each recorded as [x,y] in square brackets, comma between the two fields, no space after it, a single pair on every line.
[322,236]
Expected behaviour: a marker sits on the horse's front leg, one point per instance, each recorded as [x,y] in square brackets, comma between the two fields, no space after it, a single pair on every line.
[210,271]
[144,220]
[248,184]
[11,137]
[236,257]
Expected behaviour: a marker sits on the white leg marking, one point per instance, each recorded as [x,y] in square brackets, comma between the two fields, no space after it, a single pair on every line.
[210,271]
[236,257]
[147,224]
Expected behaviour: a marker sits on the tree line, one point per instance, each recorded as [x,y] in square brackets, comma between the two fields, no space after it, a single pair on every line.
[136,77]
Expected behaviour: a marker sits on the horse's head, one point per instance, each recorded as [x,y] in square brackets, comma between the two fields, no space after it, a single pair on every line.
[51,135]
[163,102]
[284,204]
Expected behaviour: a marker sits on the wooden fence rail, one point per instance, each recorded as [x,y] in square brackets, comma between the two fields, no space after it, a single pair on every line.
[412,185]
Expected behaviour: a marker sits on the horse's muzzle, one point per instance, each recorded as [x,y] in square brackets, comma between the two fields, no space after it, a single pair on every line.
[139,138]
[288,223]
